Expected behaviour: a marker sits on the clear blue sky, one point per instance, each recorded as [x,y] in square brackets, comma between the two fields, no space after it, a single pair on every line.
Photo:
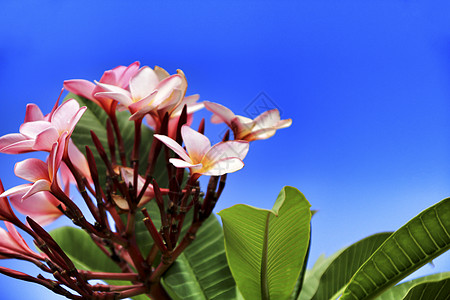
[367,84]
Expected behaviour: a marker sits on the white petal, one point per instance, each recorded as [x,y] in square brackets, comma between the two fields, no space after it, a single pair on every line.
[174,146]
[220,113]
[228,165]
[179,163]
[143,83]
[196,143]
[223,150]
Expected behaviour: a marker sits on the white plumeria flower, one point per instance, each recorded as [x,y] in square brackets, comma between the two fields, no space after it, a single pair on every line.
[262,127]
[201,158]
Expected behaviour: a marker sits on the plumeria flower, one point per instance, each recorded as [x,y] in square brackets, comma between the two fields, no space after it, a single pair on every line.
[127,176]
[201,158]
[41,174]
[119,76]
[39,133]
[147,91]
[12,242]
[262,127]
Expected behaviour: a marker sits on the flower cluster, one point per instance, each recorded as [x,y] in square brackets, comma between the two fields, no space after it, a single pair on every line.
[130,183]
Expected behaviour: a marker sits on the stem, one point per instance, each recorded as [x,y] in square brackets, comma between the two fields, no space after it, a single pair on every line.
[115,124]
[88,275]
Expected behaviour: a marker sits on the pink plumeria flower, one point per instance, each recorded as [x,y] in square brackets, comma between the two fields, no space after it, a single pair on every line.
[119,76]
[262,127]
[41,174]
[147,92]
[127,176]
[39,133]
[201,158]
[12,242]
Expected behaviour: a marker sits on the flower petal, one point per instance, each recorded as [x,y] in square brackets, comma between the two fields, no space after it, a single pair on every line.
[32,129]
[143,83]
[64,115]
[115,92]
[45,139]
[20,189]
[31,169]
[223,166]
[38,186]
[223,150]
[81,88]
[174,146]
[79,160]
[41,207]
[179,163]
[161,73]
[33,113]
[221,113]
[196,143]
[267,119]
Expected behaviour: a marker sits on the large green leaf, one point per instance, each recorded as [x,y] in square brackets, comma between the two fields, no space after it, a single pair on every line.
[342,268]
[434,290]
[418,242]
[85,254]
[202,272]
[82,251]
[417,286]
[266,248]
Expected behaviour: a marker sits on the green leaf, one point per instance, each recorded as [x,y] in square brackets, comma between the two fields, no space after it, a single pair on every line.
[266,248]
[202,272]
[342,268]
[435,290]
[418,242]
[420,286]
[85,254]
[82,250]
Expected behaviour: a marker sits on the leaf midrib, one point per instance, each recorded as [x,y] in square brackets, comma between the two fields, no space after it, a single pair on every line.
[264,278]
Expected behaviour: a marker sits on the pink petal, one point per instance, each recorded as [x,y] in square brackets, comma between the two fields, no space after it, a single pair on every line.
[32,169]
[32,129]
[179,163]
[15,143]
[124,77]
[64,114]
[17,237]
[223,166]
[196,143]
[38,186]
[56,155]
[174,146]
[220,112]
[46,139]
[79,160]
[81,87]
[143,104]
[41,207]
[75,119]
[171,102]
[33,113]
[17,190]
[116,93]
[7,241]
[143,83]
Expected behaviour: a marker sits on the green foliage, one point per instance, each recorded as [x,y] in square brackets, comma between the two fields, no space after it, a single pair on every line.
[82,251]
[420,289]
[332,275]
[202,272]
[418,242]
[266,248]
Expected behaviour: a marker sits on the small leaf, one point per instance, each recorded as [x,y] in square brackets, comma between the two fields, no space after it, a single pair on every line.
[417,287]
[418,242]
[266,248]
[202,272]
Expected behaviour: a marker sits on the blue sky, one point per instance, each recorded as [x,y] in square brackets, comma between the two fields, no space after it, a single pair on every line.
[367,85]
